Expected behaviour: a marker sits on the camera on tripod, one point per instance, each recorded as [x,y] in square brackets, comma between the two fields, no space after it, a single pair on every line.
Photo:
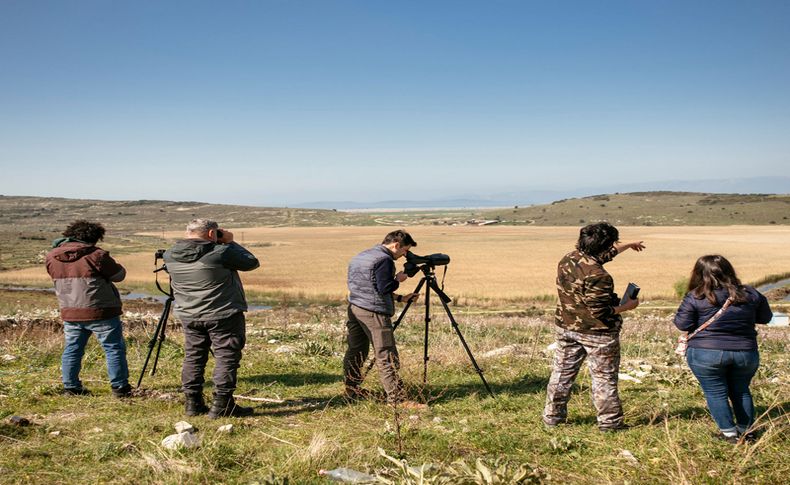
[414,263]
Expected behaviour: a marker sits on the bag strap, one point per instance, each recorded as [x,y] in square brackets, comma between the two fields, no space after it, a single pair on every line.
[712,319]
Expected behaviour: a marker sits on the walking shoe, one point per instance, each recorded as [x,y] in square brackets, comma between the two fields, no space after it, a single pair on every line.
[733,440]
[122,392]
[75,391]
[226,406]
[750,437]
[194,404]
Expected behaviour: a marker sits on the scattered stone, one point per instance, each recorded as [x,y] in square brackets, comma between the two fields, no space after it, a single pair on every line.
[414,417]
[463,421]
[629,457]
[9,357]
[347,475]
[19,421]
[227,428]
[96,430]
[626,377]
[54,433]
[552,347]
[437,419]
[181,440]
[285,349]
[502,351]
[184,427]
[273,340]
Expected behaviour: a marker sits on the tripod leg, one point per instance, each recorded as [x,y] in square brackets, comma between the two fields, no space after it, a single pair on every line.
[425,343]
[463,341]
[165,314]
[157,332]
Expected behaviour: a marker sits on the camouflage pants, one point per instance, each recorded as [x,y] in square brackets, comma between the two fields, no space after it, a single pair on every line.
[603,358]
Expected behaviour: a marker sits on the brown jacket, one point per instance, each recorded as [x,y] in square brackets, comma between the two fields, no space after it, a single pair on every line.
[83,276]
[586,294]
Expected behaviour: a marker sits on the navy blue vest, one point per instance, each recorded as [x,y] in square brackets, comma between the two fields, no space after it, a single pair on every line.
[362,281]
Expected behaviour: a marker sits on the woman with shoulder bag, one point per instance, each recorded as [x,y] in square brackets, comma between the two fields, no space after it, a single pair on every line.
[723,354]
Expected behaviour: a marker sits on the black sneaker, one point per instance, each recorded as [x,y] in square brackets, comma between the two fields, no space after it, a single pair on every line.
[75,391]
[614,429]
[122,392]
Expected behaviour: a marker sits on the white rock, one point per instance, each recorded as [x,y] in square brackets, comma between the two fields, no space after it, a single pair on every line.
[273,341]
[184,427]
[506,350]
[55,433]
[227,428]
[437,419]
[552,347]
[629,457]
[96,430]
[626,377]
[285,349]
[181,440]
[9,357]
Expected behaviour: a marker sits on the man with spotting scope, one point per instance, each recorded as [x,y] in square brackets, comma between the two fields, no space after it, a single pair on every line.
[372,283]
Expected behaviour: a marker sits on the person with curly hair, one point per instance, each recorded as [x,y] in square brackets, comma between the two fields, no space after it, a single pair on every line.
[84,277]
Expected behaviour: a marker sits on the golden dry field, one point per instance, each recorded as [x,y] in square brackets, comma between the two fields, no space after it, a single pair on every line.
[488,263]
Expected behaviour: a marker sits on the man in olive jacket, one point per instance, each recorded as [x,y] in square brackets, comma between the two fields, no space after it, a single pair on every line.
[210,302]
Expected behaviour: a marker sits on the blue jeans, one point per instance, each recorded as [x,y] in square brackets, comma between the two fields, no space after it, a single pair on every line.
[110,335]
[724,376]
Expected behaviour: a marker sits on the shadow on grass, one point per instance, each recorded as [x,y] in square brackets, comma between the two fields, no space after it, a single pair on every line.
[524,385]
[292,379]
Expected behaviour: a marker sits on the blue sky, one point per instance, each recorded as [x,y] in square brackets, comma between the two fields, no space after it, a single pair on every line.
[278,102]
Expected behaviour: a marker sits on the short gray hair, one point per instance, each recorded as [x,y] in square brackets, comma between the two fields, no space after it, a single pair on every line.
[201,226]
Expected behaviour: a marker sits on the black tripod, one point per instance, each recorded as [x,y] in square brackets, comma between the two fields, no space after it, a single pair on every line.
[159,333]
[429,282]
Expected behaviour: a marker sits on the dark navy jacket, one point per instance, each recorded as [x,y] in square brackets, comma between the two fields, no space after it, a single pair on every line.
[733,330]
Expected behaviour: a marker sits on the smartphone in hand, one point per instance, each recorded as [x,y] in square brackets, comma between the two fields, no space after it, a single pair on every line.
[631,292]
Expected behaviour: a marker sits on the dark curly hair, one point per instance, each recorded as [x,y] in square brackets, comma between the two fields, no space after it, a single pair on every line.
[712,272]
[596,239]
[89,232]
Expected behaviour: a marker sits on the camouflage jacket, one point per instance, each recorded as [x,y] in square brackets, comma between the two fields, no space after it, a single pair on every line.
[586,294]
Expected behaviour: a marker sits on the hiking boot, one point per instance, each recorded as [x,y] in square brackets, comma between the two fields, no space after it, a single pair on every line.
[615,428]
[194,404]
[75,391]
[357,393]
[226,406]
[412,406]
[122,392]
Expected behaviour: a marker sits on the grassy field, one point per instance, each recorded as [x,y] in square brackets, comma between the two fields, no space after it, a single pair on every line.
[293,358]
[490,264]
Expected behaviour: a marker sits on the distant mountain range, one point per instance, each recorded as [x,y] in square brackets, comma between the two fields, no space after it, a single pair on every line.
[525,197]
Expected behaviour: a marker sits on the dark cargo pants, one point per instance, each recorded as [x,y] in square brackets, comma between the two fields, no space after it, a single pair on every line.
[603,357]
[227,338]
[364,327]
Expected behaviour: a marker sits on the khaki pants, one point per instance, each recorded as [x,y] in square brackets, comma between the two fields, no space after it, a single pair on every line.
[363,328]
[603,357]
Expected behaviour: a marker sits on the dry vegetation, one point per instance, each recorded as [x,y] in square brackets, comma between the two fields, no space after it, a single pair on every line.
[489,264]
[307,426]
